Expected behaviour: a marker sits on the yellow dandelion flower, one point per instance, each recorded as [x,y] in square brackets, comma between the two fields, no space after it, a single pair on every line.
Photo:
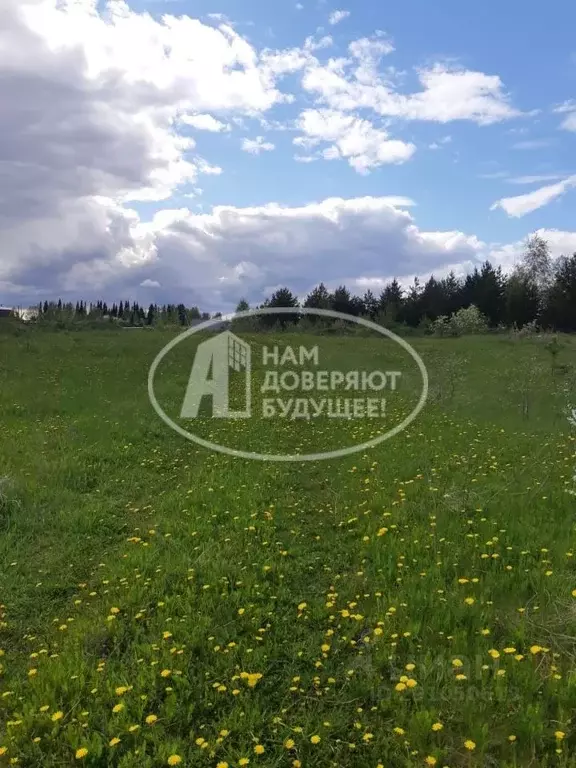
[57,716]
[121,690]
[117,708]
[289,744]
[437,727]
[470,745]
[494,653]
[457,663]
[511,737]
[151,719]
[174,760]
[534,649]
[243,761]
[114,741]
[559,735]
[400,687]
[222,764]
[259,749]
[81,753]
[399,731]
[315,739]
[430,760]
[461,677]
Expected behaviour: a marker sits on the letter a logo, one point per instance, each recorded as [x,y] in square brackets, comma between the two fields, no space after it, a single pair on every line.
[223,354]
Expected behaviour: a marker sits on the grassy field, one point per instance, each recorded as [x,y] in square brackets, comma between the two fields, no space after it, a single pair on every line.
[411,605]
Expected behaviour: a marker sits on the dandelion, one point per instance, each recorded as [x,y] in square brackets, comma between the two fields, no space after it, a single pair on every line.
[81,753]
[166,673]
[400,687]
[289,744]
[117,708]
[469,745]
[222,764]
[437,727]
[174,760]
[259,749]
[151,719]
[430,760]
[243,761]
[57,716]
[113,742]
[494,653]
[457,663]
[511,738]
[559,735]
[315,739]
[535,649]
[121,690]
[399,731]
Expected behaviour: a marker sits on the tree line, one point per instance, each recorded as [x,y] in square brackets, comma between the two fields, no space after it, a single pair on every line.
[538,291]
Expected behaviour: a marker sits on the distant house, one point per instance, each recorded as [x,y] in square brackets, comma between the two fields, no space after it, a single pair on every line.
[6,311]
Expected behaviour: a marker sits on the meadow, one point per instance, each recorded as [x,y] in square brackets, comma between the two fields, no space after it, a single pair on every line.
[410,605]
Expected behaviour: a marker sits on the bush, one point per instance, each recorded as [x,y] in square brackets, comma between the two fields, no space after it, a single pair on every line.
[461,323]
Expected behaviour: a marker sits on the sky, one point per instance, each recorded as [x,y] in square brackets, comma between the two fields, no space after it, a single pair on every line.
[202,152]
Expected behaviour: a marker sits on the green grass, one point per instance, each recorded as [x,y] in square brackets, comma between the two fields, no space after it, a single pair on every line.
[126,551]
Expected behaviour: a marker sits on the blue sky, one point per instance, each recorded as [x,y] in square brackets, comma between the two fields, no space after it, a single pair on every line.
[172,150]
[530,46]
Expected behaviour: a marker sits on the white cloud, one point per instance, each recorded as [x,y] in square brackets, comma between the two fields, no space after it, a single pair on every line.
[337,16]
[537,178]
[569,122]
[522,204]
[447,93]
[204,123]
[92,98]
[351,138]
[257,145]
[567,108]
[440,143]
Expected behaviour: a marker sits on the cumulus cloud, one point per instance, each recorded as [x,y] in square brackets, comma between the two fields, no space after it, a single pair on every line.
[337,16]
[204,123]
[96,103]
[215,258]
[257,145]
[520,205]
[352,138]
[447,93]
